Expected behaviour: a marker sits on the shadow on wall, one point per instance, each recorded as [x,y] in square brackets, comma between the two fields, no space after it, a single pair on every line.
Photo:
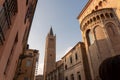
[110,68]
[99,51]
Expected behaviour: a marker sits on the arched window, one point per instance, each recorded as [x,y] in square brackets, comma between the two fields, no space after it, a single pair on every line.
[85,24]
[107,15]
[78,76]
[112,32]
[76,56]
[93,11]
[91,20]
[102,16]
[88,22]
[100,3]
[98,17]
[94,19]
[111,15]
[65,67]
[71,59]
[96,7]
[66,78]
[99,34]
[89,37]
[72,77]
[111,29]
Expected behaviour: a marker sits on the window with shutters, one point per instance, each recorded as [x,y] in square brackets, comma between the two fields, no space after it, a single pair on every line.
[7,11]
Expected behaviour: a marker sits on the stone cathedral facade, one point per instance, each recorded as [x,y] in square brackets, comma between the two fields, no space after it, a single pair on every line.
[100,27]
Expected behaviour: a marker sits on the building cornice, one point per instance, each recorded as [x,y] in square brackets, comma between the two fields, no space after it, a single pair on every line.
[83,10]
[72,49]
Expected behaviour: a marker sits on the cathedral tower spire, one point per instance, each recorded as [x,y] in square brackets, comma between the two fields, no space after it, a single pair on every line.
[50,53]
[51,31]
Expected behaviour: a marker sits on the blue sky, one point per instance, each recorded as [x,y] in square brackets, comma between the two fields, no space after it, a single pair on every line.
[62,16]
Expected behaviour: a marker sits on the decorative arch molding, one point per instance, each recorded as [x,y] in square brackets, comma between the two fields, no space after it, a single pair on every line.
[89,37]
[112,32]
[99,33]
[101,15]
[111,29]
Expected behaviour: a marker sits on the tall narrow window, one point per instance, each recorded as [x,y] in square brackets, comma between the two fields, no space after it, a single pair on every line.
[65,67]
[112,32]
[78,76]
[27,2]
[10,7]
[111,29]
[55,77]
[99,33]
[76,56]
[1,36]
[29,13]
[71,59]
[66,78]
[3,25]
[72,77]
[8,10]
[89,37]
[65,59]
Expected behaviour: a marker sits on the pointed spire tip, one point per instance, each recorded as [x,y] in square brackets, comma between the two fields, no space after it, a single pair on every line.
[51,31]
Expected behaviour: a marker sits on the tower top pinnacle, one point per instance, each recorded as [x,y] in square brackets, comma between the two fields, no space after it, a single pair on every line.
[51,31]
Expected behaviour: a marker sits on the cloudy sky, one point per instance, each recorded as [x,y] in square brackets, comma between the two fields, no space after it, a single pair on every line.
[62,16]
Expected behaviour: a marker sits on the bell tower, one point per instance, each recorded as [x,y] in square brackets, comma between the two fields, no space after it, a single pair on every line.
[50,53]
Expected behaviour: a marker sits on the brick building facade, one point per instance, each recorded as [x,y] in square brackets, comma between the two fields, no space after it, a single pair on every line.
[15,21]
